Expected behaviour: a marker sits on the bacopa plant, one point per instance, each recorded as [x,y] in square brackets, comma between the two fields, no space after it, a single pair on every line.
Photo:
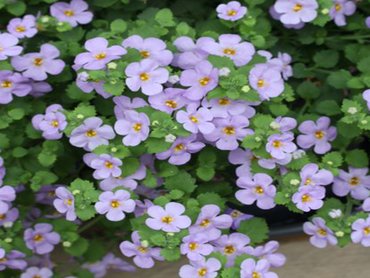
[137,131]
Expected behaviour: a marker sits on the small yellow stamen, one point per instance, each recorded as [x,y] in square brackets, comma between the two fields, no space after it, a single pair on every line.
[69,202]
[306,198]
[205,223]
[235,214]
[2,216]
[69,13]
[167,219]
[137,127]
[231,13]
[229,130]
[260,83]
[308,181]
[20,29]
[38,237]
[319,134]
[204,81]
[115,204]
[108,164]
[179,147]
[229,249]
[38,62]
[277,144]
[223,101]
[297,7]
[145,54]
[6,84]
[256,275]
[354,181]
[3,260]
[322,232]
[193,119]
[144,76]
[100,56]
[367,230]
[229,51]
[54,123]
[338,7]
[193,246]
[142,249]
[91,133]
[171,104]
[202,272]
[259,190]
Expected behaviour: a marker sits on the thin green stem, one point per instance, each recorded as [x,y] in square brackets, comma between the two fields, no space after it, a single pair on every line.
[349,206]
[88,225]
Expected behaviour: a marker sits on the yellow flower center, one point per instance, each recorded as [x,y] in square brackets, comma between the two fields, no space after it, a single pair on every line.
[179,147]
[202,272]
[308,181]
[137,127]
[38,62]
[277,144]
[259,190]
[204,81]
[69,13]
[167,219]
[229,51]
[338,7]
[231,13]
[20,29]
[367,230]
[193,119]
[36,276]
[100,56]
[306,198]
[38,238]
[54,123]
[354,181]
[223,101]
[3,260]
[235,214]
[171,103]
[6,84]
[142,249]
[91,133]
[144,76]
[322,232]
[229,130]
[108,164]
[205,223]
[2,216]
[68,202]
[115,204]
[229,249]
[193,246]
[260,83]
[256,275]
[319,134]
[145,54]
[297,7]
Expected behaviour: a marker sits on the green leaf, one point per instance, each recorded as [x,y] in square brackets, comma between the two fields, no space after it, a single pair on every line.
[278,109]
[16,113]
[41,178]
[165,18]
[211,198]
[114,87]
[357,158]
[19,152]
[363,65]
[308,90]
[339,79]
[205,173]
[326,58]
[129,166]
[78,248]
[328,107]
[183,181]
[256,229]
[118,26]
[333,159]
[16,8]
[157,145]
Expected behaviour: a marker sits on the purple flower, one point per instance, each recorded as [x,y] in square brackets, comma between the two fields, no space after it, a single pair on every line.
[13,84]
[195,121]
[2,170]
[36,65]
[7,194]
[46,194]
[361,232]
[142,253]
[282,63]
[169,219]
[266,80]
[267,252]
[181,150]
[41,239]
[209,222]
[195,246]
[284,124]
[13,260]
[109,263]
[244,159]
[252,269]
[231,46]
[89,86]
[341,9]
[123,103]
[232,246]
[8,46]
[39,89]
[150,48]
[231,11]
[366,94]
[257,188]
[275,15]
[237,217]
[23,27]
[115,204]
[355,182]
[201,269]
[280,146]
[202,79]
[74,13]
[228,131]
[321,235]
[52,123]
[91,134]
[171,99]
[224,108]
[134,126]
[296,11]
[105,165]
[98,55]
[8,218]
[309,198]
[129,182]
[311,175]
[191,53]
[33,272]
[64,203]
[147,76]
[367,22]
[317,134]
[142,207]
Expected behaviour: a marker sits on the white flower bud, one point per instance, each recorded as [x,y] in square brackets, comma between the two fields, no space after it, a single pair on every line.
[145,243]
[364,122]
[352,110]
[275,125]
[294,182]
[298,154]
[325,11]
[170,138]
[339,234]
[335,213]
[67,244]
[8,224]
[8,239]
[173,79]
[45,19]
[112,65]
[154,123]
[246,89]
[170,234]
[224,71]
[80,116]
[113,150]
[75,192]
[257,139]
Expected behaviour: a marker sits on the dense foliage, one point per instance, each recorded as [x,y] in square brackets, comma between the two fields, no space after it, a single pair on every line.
[148,129]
